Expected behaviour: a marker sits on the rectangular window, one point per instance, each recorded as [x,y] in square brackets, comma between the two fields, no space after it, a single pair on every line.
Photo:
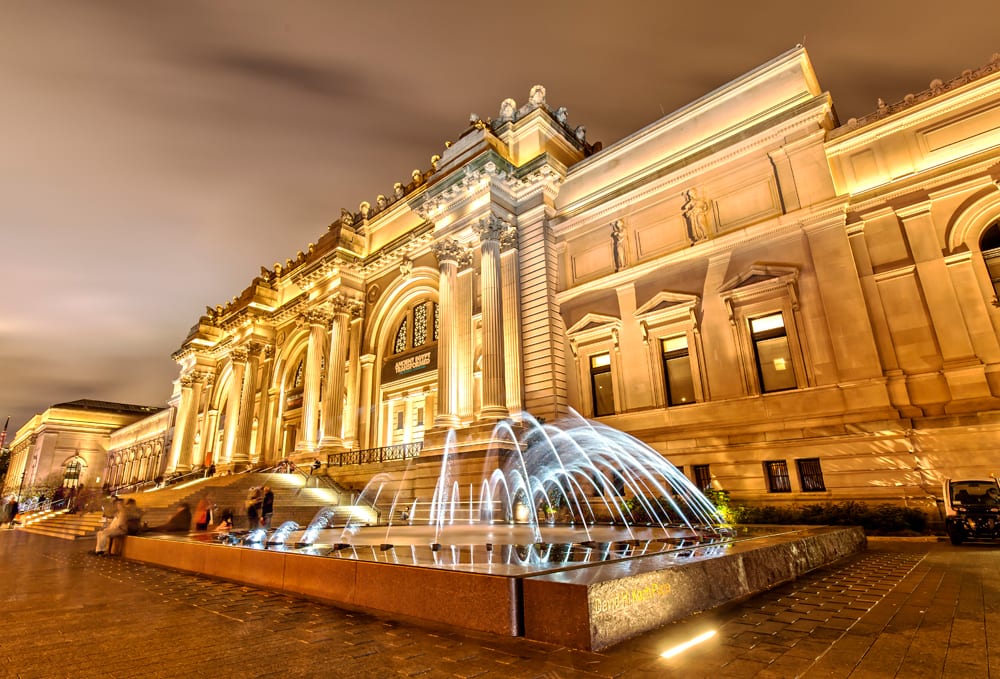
[810,475]
[419,418]
[399,419]
[774,358]
[601,391]
[777,476]
[677,371]
[702,477]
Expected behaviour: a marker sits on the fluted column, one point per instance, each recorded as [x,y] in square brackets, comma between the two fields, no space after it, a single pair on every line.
[241,450]
[318,321]
[208,421]
[187,460]
[449,253]
[181,426]
[512,321]
[364,426]
[238,357]
[264,411]
[494,387]
[333,396]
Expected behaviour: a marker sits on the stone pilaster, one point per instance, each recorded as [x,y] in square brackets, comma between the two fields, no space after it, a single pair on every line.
[265,416]
[187,460]
[365,411]
[490,230]
[512,326]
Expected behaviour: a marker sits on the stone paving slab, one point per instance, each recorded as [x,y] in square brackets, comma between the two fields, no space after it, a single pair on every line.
[901,609]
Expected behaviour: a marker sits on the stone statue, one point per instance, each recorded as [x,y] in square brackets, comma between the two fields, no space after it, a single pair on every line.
[618,244]
[346,218]
[508,109]
[434,162]
[536,97]
[365,209]
[562,115]
[695,211]
[381,201]
[581,134]
[398,190]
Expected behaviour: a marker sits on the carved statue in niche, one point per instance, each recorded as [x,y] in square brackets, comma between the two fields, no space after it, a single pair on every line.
[695,211]
[618,244]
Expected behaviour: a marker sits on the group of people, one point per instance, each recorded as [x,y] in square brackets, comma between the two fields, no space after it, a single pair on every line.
[260,507]
[123,517]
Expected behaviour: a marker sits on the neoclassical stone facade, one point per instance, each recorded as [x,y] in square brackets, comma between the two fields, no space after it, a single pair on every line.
[788,307]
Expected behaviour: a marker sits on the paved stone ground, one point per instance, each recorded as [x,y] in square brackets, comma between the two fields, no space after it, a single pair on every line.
[902,609]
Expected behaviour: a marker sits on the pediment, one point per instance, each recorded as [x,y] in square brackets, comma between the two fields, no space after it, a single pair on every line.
[665,302]
[592,322]
[757,277]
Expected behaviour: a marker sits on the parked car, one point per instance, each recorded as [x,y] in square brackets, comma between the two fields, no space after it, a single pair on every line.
[972,509]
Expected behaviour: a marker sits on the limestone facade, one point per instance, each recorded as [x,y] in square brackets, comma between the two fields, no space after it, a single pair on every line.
[787,307]
[68,444]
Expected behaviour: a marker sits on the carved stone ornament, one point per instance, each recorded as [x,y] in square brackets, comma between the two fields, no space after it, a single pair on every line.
[695,211]
[365,209]
[238,354]
[508,239]
[490,228]
[346,218]
[316,316]
[619,248]
[405,266]
[508,109]
[342,304]
[448,250]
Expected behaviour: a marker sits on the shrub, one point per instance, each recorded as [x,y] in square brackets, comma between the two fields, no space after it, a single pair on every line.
[881,519]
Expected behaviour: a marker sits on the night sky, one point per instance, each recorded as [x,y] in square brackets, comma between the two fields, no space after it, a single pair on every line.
[153,155]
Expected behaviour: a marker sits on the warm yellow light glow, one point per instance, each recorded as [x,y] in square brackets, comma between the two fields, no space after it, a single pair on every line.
[779,364]
[680,648]
[767,323]
[480,202]
[600,360]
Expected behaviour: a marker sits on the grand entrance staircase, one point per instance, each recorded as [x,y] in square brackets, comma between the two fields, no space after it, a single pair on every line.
[296,498]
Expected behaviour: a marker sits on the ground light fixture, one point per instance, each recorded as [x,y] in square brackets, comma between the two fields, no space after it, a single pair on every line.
[680,648]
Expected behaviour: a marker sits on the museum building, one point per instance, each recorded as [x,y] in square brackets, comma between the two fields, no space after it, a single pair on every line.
[787,306]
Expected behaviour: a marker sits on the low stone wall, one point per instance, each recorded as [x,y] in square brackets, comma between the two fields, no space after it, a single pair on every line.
[597,607]
[588,607]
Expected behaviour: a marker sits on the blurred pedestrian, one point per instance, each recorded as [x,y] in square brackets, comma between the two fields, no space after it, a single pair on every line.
[266,507]
[117,527]
[203,513]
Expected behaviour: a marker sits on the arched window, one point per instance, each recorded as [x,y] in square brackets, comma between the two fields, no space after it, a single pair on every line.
[297,383]
[71,477]
[989,244]
[423,316]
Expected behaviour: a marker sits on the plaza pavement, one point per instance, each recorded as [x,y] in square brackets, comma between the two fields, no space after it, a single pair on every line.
[901,609]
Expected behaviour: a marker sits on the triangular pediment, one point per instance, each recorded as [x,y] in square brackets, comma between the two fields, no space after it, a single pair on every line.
[666,301]
[758,276]
[592,322]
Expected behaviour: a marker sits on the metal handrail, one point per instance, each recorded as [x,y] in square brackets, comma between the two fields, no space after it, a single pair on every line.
[395,453]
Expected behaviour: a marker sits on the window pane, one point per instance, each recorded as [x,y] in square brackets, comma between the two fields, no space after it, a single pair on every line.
[675,344]
[810,475]
[604,399]
[765,323]
[774,361]
[777,476]
[702,476]
[600,360]
[419,325]
[400,344]
[680,384]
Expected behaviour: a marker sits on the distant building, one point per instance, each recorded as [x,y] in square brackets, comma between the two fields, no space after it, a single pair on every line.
[788,307]
[68,444]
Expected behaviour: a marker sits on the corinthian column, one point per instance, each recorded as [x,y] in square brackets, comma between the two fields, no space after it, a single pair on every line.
[494,388]
[241,449]
[238,357]
[181,426]
[187,460]
[333,396]
[318,321]
[448,252]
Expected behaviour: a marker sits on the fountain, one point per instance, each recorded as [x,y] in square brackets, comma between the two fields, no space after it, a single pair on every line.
[571,521]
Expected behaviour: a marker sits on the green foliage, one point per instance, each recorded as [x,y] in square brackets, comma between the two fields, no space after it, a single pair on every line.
[880,519]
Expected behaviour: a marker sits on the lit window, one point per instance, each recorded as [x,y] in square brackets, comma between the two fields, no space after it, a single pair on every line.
[297,382]
[399,345]
[777,476]
[774,357]
[419,325]
[702,476]
[677,376]
[810,475]
[601,391]
[989,244]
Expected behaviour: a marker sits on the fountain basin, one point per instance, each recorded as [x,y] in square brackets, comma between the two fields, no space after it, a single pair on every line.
[581,604]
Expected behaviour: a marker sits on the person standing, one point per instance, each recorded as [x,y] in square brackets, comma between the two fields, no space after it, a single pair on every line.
[203,513]
[254,500]
[266,507]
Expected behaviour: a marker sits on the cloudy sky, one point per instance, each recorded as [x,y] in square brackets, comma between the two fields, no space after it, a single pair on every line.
[153,155]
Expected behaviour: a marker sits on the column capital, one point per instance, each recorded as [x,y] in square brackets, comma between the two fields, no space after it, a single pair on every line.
[238,354]
[491,228]
[449,250]
[317,316]
[342,304]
